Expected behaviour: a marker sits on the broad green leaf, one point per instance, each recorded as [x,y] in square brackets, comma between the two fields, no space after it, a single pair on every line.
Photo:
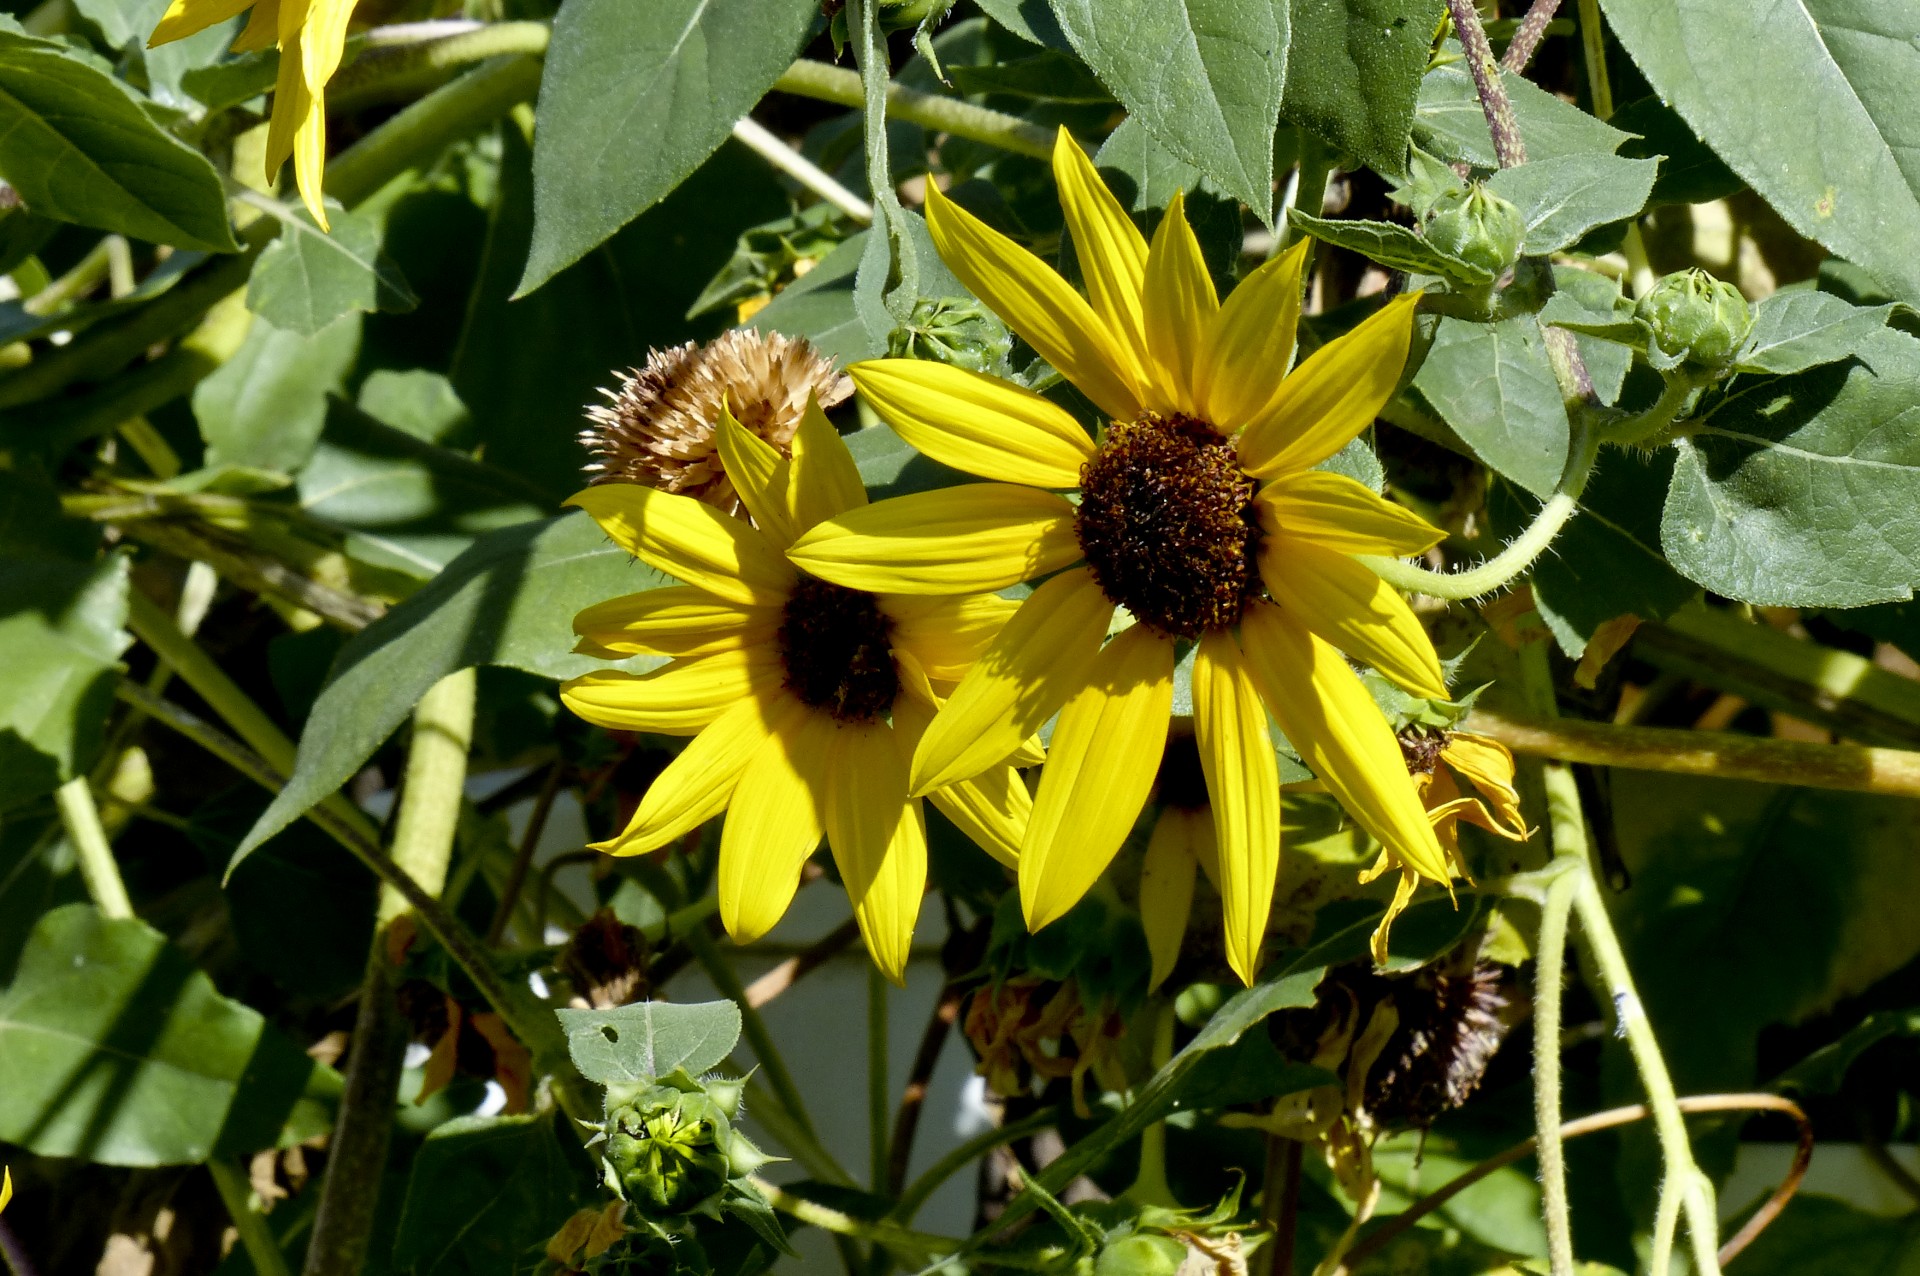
[1204,78]
[1450,122]
[1353,74]
[1690,173]
[1563,197]
[1811,101]
[1492,383]
[634,99]
[1392,245]
[650,1039]
[1607,561]
[60,627]
[118,1050]
[1799,328]
[1804,491]
[264,407]
[37,875]
[1585,295]
[509,600]
[486,1193]
[77,145]
[1031,20]
[126,24]
[1050,76]
[1144,176]
[307,278]
[1823,1071]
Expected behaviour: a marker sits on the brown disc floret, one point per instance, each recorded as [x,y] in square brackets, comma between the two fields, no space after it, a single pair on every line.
[1167,526]
[834,645]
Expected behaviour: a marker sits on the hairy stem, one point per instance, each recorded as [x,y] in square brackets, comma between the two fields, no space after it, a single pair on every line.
[81,818]
[818,80]
[1527,37]
[1646,428]
[1507,146]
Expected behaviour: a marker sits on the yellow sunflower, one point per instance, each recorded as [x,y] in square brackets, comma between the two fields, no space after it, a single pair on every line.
[805,699]
[312,35]
[1201,523]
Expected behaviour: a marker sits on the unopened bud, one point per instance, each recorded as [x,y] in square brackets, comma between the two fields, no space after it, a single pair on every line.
[951,330]
[666,1150]
[1692,315]
[1141,1256]
[1478,227]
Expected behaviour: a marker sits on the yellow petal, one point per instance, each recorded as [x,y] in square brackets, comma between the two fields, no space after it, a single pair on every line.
[1251,345]
[291,99]
[187,17]
[976,423]
[1100,767]
[879,840]
[1334,512]
[1040,658]
[992,808]
[823,481]
[1180,310]
[1329,717]
[1166,889]
[262,30]
[1036,303]
[1488,766]
[946,635]
[974,538]
[1111,250]
[698,784]
[678,620]
[1243,788]
[1402,896]
[760,474]
[773,824]
[1345,603]
[679,698]
[689,540]
[323,40]
[1332,396]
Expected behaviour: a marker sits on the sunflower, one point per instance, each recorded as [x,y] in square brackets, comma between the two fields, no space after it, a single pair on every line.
[1202,527]
[312,35]
[805,699]
[1439,761]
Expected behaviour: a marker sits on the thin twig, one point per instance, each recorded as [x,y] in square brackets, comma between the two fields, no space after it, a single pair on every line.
[523,855]
[770,148]
[1527,36]
[1612,1118]
[1280,1204]
[906,1121]
[793,969]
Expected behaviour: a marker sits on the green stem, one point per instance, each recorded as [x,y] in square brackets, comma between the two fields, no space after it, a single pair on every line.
[1309,189]
[824,83]
[97,867]
[429,126]
[1520,554]
[874,1231]
[959,1158]
[1593,44]
[255,1237]
[1666,1225]
[82,278]
[431,795]
[879,1094]
[1646,428]
[1150,1186]
[397,60]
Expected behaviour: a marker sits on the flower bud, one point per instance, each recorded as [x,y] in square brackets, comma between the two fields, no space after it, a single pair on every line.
[725,1093]
[1478,227]
[951,330]
[1692,315]
[666,1150]
[1141,1256]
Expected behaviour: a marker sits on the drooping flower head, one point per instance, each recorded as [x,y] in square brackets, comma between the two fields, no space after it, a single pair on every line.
[1202,524]
[805,699]
[312,35]
[658,428]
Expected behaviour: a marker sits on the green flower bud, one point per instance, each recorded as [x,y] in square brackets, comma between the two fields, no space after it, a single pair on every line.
[726,1092]
[667,1150]
[1141,1256]
[1692,315]
[1478,227]
[951,330]
[742,1156]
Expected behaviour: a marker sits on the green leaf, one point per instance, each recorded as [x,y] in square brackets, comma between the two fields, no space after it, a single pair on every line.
[1204,78]
[1031,20]
[1050,76]
[1492,383]
[1804,491]
[117,1050]
[650,1039]
[1833,153]
[1797,328]
[1584,295]
[1449,122]
[819,307]
[633,100]
[1823,1071]
[1144,176]
[264,407]
[1690,173]
[485,1193]
[60,627]
[1821,1236]
[77,145]
[509,600]
[1392,245]
[307,278]
[1563,197]
[1353,74]
[1607,561]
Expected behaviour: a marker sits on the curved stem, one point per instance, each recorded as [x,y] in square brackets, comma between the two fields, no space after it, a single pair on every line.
[878,1231]
[1646,427]
[807,78]
[1501,570]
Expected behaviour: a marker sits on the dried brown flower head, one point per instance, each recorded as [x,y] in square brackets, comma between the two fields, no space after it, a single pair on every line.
[658,427]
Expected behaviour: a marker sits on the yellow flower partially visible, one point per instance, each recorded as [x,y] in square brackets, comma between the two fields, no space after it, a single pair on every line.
[312,35]
[1486,765]
[6,1186]
[805,699]
[1203,520]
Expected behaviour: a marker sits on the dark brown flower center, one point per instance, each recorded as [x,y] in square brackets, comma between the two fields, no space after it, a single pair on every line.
[1422,749]
[1167,526]
[1182,783]
[833,642]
